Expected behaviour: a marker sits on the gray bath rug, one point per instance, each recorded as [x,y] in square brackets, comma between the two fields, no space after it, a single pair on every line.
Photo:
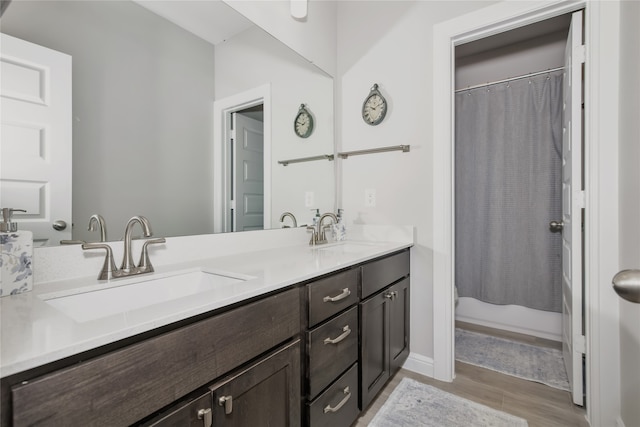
[533,363]
[414,404]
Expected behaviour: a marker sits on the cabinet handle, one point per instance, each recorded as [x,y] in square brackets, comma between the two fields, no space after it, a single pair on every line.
[391,295]
[345,293]
[336,408]
[206,416]
[227,402]
[343,335]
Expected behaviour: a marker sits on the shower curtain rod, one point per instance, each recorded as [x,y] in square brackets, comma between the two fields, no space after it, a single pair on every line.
[524,76]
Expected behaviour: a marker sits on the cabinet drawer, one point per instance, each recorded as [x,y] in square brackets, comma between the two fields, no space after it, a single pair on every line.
[333,347]
[186,414]
[338,405]
[331,295]
[127,385]
[381,273]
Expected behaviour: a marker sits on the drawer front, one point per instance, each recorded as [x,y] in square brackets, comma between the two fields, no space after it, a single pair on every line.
[189,414]
[331,295]
[333,347]
[381,273]
[127,385]
[338,405]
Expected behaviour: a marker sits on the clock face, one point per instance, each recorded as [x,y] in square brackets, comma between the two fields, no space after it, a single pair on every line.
[374,109]
[303,125]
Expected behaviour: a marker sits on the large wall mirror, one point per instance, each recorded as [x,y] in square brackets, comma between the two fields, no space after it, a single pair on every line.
[147,77]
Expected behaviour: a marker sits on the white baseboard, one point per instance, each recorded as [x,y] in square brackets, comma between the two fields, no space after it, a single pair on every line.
[419,364]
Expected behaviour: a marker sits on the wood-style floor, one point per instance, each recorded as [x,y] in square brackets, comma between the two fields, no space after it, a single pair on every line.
[540,405]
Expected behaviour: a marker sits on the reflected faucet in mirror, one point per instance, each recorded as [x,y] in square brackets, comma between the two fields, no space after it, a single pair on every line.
[128,268]
[290,215]
[97,219]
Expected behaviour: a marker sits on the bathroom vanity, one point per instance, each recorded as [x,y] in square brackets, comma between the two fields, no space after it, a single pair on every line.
[307,342]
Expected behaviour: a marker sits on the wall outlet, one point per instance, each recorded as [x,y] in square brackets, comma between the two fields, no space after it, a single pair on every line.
[309,199]
[370,197]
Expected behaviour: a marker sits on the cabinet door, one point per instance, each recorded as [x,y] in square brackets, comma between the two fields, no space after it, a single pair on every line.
[374,346]
[194,413]
[267,393]
[399,324]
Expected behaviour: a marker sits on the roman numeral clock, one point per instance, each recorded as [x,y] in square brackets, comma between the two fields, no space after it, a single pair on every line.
[374,108]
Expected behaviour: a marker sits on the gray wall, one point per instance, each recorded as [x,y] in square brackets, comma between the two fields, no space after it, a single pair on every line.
[143,93]
[529,56]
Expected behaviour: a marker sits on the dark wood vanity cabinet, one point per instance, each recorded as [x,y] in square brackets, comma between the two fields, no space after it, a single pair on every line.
[384,323]
[314,354]
[331,381]
[129,384]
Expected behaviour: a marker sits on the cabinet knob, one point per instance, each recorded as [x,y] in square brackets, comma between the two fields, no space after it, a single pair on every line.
[227,402]
[206,417]
[391,295]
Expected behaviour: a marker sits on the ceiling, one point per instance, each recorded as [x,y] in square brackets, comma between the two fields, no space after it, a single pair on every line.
[213,21]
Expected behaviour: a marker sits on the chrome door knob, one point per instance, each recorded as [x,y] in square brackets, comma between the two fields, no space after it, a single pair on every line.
[555,226]
[627,285]
[59,225]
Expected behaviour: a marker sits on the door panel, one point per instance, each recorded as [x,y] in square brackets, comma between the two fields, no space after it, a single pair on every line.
[572,205]
[35,170]
[249,176]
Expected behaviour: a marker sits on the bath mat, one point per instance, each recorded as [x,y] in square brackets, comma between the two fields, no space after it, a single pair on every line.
[529,362]
[414,404]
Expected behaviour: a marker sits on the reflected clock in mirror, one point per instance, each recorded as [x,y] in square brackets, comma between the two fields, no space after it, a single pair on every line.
[144,83]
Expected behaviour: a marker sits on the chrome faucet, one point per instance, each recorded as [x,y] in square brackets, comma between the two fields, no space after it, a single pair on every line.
[97,219]
[290,215]
[128,268]
[318,236]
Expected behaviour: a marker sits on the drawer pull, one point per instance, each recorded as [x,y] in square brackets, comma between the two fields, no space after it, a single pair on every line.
[345,293]
[206,417]
[227,402]
[336,408]
[346,331]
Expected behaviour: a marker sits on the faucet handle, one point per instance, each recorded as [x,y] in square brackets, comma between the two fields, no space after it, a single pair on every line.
[144,266]
[109,267]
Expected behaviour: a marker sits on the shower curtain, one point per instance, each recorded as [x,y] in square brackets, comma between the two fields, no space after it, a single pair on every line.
[507,189]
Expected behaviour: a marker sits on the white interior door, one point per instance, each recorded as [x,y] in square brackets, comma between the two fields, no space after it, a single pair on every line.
[248,176]
[572,208]
[35,144]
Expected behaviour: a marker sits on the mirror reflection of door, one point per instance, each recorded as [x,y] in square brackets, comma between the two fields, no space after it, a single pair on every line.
[36,138]
[247,171]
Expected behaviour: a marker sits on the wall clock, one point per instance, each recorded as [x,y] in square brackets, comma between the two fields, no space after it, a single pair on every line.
[303,124]
[374,107]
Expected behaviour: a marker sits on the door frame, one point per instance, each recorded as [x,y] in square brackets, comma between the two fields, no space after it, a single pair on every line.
[222,110]
[601,152]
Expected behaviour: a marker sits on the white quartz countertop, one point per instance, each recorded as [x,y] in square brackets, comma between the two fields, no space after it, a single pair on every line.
[35,332]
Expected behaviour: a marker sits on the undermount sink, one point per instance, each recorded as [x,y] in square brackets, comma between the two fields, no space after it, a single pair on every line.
[87,304]
[347,247]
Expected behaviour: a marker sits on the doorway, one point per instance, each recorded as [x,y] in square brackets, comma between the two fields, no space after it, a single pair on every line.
[518,168]
[242,171]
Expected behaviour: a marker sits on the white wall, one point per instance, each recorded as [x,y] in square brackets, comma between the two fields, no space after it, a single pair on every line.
[629,176]
[390,43]
[313,37]
[249,60]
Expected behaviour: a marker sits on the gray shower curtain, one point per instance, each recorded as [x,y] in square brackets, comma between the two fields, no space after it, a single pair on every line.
[507,189]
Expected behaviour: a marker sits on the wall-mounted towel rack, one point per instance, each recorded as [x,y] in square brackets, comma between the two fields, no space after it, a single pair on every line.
[403,148]
[306,159]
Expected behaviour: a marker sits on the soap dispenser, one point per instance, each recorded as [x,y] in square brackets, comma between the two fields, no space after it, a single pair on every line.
[339,229]
[316,218]
[16,250]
